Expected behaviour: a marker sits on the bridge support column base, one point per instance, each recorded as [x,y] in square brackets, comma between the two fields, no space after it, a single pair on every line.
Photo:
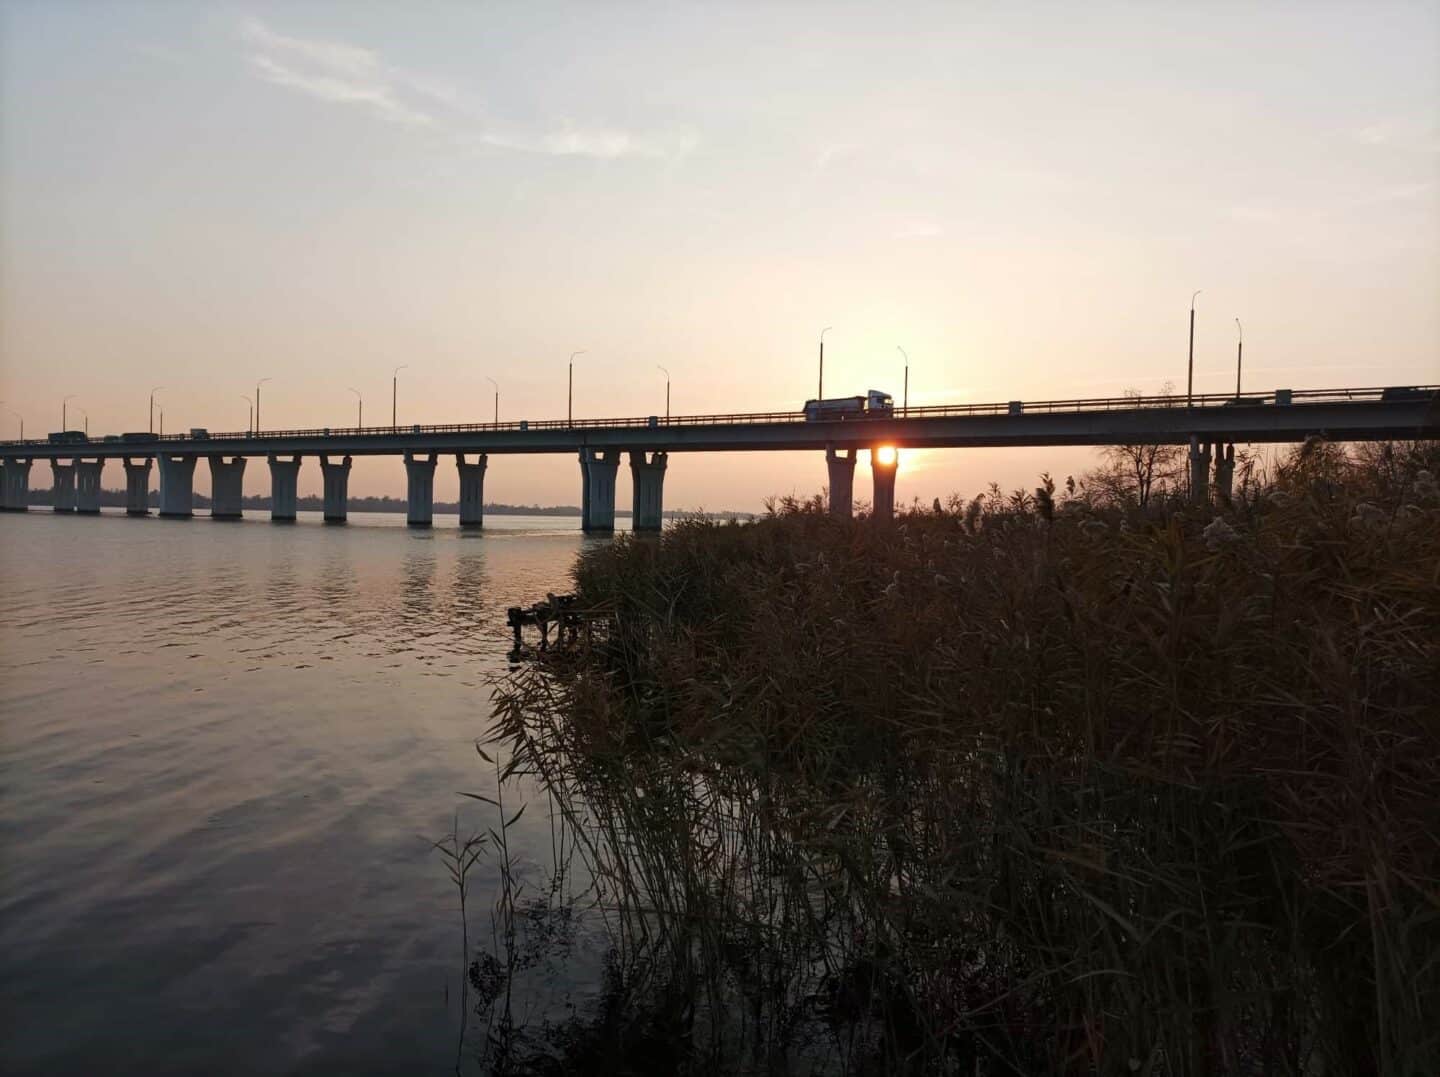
[420,489]
[597,489]
[1225,472]
[472,490]
[137,487]
[227,488]
[284,477]
[841,468]
[87,486]
[883,508]
[336,477]
[16,486]
[1200,453]
[648,478]
[177,485]
[63,497]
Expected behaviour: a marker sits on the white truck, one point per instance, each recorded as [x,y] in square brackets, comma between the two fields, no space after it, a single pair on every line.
[874,405]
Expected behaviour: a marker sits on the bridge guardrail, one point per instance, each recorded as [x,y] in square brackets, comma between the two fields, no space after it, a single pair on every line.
[1297,397]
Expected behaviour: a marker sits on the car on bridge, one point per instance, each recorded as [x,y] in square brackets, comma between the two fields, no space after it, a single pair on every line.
[874,405]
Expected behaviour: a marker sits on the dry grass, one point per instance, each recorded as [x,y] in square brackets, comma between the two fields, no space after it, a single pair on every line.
[1036,784]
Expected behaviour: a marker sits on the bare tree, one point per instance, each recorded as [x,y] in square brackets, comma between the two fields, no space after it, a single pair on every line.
[1138,471]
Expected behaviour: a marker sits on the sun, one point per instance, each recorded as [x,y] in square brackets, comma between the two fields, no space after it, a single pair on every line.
[885,455]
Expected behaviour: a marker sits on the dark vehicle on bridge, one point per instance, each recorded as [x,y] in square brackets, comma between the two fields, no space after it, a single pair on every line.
[1405,392]
[133,436]
[875,405]
[68,437]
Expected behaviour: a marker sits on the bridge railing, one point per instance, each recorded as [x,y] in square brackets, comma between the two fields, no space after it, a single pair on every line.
[1281,398]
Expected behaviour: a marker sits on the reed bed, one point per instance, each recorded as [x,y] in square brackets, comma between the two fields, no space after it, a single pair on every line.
[1050,782]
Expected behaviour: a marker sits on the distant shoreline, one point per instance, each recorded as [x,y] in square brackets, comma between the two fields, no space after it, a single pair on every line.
[313,503]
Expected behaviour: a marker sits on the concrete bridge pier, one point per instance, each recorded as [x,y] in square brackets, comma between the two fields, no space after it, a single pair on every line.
[87,485]
[472,490]
[597,489]
[17,485]
[177,485]
[284,477]
[64,486]
[1225,472]
[648,479]
[842,481]
[337,488]
[137,486]
[883,507]
[227,488]
[1199,471]
[420,489]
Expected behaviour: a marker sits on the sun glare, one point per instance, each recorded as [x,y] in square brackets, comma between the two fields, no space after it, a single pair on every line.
[885,455]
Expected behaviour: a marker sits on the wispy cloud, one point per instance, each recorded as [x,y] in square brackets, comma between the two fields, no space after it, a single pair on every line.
[1402,133]
[832,152]
[591,143]
[343,74]
[918,229]
[1379,196]
[330,71]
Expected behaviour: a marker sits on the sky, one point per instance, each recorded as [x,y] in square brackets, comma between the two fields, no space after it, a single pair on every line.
[1021,196]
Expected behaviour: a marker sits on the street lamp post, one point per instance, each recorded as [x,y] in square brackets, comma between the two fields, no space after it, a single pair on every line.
[359,407]
[64,404]
[1190,371]
[1239,354]
[395,392]
[22,422]
[162,422]
[495,383]
[667,391]
[820,390]
[905,399]
[152,406]
[570,391]
[86,414]
[250,421]
[259,383]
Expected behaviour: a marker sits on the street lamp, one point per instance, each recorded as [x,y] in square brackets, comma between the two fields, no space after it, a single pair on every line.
[63,405]
[1239,354]
[359,407]
[667,391]
[905,405]
[249,422]
[1190,373]
[22,422]
[259,383]
[820,392]
[152,406]
[162,422]
[395,391]
[570,391]
[87,421]
[495,383]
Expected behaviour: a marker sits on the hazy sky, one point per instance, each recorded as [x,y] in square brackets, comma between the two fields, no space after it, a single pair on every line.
[1022,196]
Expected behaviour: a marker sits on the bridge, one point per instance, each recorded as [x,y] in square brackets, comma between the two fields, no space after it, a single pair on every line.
[1210,424]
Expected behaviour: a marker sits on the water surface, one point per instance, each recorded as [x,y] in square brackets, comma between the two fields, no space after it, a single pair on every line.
[223,746]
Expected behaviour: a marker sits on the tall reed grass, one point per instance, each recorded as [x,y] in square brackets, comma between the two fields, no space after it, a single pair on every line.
[1044,783]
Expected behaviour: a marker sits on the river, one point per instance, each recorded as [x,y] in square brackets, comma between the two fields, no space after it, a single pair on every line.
[224,747]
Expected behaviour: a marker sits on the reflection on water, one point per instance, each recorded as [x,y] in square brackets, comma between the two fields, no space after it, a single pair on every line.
[221,748]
